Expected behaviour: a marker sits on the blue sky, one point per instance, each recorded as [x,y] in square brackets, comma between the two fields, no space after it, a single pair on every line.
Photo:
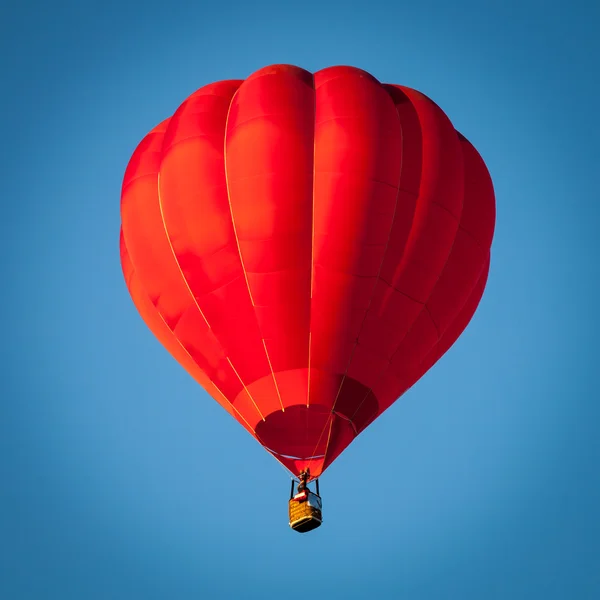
[122,479]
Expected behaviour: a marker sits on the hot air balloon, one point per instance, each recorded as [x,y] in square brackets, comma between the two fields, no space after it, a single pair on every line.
[306,246]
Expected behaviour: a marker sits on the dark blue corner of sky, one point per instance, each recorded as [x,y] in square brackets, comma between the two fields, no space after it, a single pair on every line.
[121,479]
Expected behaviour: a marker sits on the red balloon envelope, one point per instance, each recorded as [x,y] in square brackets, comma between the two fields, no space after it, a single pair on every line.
[307,247]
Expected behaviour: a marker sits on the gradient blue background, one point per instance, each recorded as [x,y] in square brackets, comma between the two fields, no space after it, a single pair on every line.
[121,479]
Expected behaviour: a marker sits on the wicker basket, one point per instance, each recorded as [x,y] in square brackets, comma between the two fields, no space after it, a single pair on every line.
[305,515]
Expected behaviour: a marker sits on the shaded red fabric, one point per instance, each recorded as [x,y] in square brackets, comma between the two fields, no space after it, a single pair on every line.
[307,247]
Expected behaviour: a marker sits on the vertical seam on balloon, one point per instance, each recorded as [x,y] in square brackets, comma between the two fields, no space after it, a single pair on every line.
[185,281]
[162,318]
[312,252]
[314,452]
[328,440]
[213,383]
[309,357]
[329,422]
[330,432]
[312,256]
[273,373]
[383,255]
[162,216]
[237,241]
[245,388]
